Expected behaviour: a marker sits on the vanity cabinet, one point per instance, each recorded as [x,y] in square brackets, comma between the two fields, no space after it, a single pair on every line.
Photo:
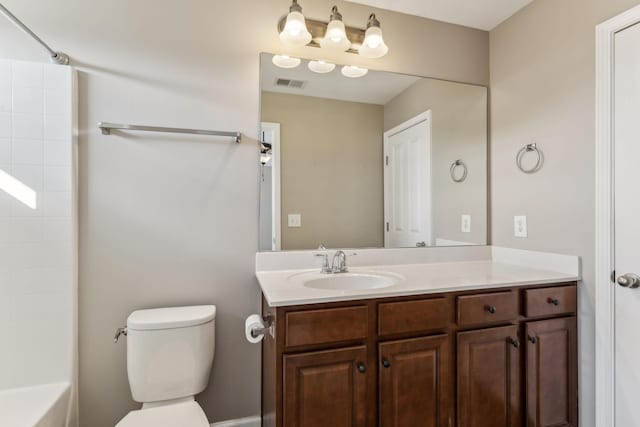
[489,358]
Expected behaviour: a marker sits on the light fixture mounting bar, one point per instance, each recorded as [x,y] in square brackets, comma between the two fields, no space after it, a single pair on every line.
[319,28]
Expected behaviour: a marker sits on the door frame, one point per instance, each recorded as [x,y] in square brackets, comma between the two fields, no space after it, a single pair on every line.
[605,288]
[422,117]
[276,201]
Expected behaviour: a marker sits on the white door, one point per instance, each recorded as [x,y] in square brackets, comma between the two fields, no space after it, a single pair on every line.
[627,225]
[407,183]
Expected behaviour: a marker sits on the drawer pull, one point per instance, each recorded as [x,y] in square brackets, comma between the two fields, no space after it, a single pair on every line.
[533,339]
[514,342]
[362,368]
[386,363]
[554,301]
[491,309]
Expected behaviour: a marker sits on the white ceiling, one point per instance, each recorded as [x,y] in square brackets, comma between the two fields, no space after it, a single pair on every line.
[377,87]
[481,14]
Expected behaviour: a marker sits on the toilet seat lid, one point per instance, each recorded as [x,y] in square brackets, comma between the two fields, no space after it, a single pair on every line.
[187,414]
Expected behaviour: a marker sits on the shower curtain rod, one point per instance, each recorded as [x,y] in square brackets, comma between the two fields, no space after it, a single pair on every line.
[57,57]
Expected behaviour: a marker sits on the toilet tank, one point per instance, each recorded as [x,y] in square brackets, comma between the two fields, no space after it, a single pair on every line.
[170,352]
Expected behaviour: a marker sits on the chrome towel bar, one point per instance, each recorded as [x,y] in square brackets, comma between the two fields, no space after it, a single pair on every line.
[106,129]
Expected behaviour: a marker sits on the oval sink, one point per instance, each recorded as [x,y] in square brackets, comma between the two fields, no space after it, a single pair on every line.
[351,281]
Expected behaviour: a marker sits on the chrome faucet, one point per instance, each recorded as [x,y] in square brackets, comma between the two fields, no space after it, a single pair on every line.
[339,264]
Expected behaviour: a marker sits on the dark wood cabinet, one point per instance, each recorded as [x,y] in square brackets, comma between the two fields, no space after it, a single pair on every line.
[489,378]
[489,358]
[415,383]
[551,373]
[326,388]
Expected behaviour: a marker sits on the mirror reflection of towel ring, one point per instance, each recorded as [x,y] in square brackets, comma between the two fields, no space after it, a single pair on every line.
[527,149]
[452,170]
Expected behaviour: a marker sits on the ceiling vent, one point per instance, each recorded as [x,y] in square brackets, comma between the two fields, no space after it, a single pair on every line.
[294,84]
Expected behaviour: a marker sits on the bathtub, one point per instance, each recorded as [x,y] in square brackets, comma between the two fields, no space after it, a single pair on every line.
[38,406]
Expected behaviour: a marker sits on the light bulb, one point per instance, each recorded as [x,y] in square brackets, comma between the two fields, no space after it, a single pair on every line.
[295,32]
[321,67]
[353,71]
[285,61]
[335,37]
[373,45]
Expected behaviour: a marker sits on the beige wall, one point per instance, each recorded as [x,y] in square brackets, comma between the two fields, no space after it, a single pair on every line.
[543,90]
[331,170]
[459,131]
[169,220]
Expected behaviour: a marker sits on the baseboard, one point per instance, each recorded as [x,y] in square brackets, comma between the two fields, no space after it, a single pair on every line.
[240,422]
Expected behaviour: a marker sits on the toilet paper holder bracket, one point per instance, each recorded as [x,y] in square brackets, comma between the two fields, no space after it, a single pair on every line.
[267,329]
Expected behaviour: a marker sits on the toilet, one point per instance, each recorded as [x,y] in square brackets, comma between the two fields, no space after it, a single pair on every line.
[169,359]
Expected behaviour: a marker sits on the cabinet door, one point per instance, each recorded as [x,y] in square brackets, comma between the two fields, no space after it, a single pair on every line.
[326,388]
[552,373]
[489,378]
[415,383]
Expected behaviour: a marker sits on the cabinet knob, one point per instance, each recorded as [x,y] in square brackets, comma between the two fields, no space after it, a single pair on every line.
[491,309]
[386,363]
[362,368]
[554,301]
[514,342]
[533,339]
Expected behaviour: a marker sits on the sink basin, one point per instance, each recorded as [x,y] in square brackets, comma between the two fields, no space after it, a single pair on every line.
[351,281]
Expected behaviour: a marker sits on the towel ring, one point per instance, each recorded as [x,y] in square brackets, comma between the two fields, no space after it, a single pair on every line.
[526,149]
[452,171]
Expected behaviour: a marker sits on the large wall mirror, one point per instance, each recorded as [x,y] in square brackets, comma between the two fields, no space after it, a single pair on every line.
[383,160]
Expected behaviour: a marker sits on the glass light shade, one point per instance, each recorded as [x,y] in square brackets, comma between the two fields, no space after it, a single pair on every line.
[295,32]
[336,37]
[353,71]
[373,45]
[285,61]
[321,67]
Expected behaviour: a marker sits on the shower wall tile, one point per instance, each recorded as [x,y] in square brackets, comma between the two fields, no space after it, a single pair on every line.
[5,125]
[38,250]
[28,100]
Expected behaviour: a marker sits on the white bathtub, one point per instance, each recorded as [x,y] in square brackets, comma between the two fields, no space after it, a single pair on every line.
[38,406]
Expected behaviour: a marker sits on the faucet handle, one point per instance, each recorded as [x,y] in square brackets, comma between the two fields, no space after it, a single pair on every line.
[325,263]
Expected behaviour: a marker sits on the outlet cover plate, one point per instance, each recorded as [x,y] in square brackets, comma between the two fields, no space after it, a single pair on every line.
[520,226]
[294,220]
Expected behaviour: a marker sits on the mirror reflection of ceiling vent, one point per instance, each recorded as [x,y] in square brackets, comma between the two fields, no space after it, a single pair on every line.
[295,84]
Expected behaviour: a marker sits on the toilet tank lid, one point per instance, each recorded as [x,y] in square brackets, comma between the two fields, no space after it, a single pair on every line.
[171,317]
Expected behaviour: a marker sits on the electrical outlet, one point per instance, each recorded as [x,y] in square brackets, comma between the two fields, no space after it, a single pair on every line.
[520,226]
[294,220]
[465,225]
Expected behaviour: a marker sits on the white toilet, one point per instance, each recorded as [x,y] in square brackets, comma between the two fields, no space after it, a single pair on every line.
[169,358]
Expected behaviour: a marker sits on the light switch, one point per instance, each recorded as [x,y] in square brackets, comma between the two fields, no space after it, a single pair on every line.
[520,226]
[465,224]
[294,220]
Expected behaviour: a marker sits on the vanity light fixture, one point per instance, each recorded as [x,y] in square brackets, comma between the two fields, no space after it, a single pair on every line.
[353,71]
[285,61]
[295,32]
[321,67]
[335,37]
[373,45]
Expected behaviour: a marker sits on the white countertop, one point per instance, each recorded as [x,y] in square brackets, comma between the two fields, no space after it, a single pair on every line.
[284,287]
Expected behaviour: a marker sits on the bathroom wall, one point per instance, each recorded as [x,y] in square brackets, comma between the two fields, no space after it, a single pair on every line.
[38,253]
[459,131]
[331,170]
[543,91]
[173,219]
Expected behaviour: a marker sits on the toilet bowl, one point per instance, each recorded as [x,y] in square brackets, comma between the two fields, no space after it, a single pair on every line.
[169,358]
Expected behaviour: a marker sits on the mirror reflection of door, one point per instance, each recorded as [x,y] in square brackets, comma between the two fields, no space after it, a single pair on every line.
[407,183]
[270,186]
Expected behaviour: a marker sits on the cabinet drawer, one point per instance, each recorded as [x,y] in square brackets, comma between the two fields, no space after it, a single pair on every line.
[326,326]
[550,301]
[413,316]
[487,308]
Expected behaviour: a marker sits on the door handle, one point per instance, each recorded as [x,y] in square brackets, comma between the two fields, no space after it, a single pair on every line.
[629,280]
